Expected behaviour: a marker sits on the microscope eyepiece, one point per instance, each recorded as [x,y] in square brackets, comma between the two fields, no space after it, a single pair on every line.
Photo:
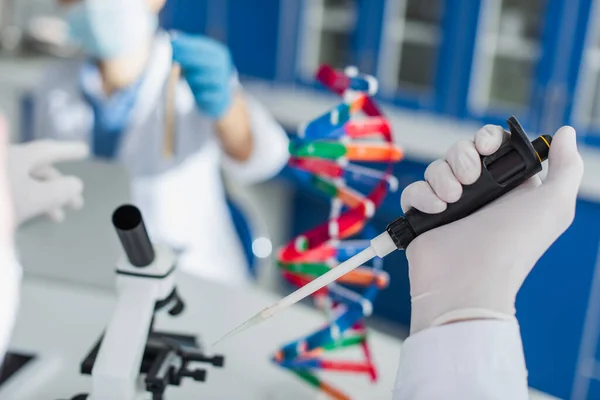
[129,224]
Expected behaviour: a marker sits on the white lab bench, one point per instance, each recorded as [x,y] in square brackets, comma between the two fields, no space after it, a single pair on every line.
[60,322]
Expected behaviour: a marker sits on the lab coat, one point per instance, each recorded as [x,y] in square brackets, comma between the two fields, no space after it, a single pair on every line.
[10,283]
[183,199]
[475,360]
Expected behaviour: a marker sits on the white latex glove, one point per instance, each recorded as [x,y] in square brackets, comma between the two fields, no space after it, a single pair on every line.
[474,267]
[37,187]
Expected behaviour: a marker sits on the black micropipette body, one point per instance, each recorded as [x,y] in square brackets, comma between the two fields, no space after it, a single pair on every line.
[516,161]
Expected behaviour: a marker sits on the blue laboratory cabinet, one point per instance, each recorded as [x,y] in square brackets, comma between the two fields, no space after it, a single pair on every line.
[468,60]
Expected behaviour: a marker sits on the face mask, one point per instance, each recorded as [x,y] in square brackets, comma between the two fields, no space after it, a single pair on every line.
[110,28]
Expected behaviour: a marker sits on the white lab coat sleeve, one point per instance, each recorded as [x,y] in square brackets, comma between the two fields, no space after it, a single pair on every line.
[269,146]
[10,283]
[475,360]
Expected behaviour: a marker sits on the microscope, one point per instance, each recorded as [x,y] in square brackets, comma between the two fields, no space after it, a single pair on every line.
[132,360]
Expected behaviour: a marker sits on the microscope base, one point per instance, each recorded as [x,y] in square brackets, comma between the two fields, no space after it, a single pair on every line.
[165,362]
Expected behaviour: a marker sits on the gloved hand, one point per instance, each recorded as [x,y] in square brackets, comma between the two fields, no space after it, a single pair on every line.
[207,67]
[474,267]
[37,187]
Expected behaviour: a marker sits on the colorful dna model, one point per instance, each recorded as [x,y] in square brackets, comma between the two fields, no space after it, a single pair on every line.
[332,150]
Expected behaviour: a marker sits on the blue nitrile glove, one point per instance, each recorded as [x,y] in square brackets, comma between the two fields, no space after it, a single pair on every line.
[207,67]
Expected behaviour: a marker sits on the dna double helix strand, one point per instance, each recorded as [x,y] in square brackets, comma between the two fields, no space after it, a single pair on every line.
[332,149]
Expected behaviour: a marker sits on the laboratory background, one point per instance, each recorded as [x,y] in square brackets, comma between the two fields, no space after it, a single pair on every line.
[445,68]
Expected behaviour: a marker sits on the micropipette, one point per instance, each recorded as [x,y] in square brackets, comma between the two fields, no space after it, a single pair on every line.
[515,161]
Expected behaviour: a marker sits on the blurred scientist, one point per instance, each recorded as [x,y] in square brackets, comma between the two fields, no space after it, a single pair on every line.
[116,99]
[465,342]
[29,187]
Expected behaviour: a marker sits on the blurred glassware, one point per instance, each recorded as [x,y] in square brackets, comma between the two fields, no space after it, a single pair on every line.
[329,27]
[10,37]
[507,52]
[48,35]
[411,42]
[587,97]
[512,23]
[34,27]
[10,33]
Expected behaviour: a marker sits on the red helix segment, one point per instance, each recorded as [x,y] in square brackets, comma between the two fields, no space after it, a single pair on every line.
[328,149]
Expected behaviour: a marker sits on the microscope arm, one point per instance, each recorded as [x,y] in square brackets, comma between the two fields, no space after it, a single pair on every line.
[117,367]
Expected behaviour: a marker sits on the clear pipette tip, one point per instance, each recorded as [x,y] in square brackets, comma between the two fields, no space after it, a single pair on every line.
[356,261]
[255,320]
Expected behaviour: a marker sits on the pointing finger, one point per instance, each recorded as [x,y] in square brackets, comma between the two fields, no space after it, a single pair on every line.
[44,152]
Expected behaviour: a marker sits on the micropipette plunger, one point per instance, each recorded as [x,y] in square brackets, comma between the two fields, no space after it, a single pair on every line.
[515,161]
